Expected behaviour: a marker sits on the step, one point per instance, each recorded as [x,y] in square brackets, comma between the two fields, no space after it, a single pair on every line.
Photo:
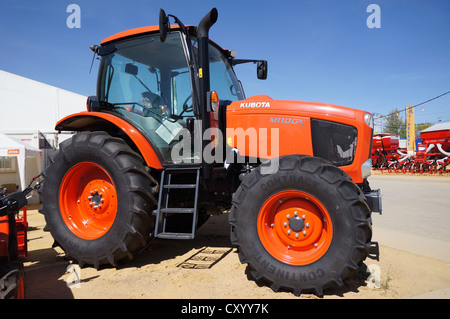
[180,186]
[175,236]
[177,210]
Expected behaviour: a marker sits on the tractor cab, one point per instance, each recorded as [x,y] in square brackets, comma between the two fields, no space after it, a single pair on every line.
[155,86]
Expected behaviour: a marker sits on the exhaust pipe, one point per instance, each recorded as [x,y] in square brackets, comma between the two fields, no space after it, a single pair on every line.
[204,81]
[206,23]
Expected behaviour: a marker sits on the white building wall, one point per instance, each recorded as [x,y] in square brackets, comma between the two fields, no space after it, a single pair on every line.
[27,105]
[29,111]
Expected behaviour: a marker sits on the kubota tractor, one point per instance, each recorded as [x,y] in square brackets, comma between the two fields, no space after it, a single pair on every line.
[170,139]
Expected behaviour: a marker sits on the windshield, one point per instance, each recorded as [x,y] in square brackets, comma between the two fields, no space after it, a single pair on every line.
[149,83]
[222,76]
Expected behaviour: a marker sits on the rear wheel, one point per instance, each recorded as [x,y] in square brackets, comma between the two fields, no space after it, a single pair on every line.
[98,198]
[304,228]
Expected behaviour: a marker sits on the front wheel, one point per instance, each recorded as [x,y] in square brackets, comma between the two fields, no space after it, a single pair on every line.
[304,228]
[98,198]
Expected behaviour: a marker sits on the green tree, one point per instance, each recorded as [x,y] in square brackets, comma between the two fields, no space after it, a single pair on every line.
[422,126]
[395,124]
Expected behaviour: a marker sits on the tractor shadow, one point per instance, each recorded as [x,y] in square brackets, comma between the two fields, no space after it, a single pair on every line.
[212,238]
[211,244]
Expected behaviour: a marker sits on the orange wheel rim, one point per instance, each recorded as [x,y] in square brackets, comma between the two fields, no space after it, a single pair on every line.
[88,200]
[294,227]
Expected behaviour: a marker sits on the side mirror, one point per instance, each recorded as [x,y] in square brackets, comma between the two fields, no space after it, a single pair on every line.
[164,25]
[261,69]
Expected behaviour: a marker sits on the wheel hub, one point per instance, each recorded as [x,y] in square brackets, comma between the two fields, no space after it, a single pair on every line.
[296,224]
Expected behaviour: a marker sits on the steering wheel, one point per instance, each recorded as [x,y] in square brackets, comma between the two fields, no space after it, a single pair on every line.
[186,108]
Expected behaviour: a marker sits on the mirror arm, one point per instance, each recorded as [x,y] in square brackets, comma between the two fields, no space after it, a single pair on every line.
[241,61]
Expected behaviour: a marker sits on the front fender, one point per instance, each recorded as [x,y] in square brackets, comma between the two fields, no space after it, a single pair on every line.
[97,121]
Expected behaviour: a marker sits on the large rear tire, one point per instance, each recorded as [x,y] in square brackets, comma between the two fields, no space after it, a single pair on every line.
[97,199]
[304,228]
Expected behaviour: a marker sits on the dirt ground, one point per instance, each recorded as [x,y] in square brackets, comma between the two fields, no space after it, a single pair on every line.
[208,268]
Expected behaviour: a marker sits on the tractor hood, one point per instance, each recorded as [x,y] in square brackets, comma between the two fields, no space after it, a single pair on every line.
[265,104]
[338,134]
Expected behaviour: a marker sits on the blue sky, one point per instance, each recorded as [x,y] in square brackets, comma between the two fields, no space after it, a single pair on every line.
[318,50]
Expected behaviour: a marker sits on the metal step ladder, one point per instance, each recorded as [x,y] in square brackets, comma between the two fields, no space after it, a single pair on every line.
[163,210]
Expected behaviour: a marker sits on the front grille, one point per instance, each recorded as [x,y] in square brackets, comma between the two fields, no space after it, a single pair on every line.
[333,141]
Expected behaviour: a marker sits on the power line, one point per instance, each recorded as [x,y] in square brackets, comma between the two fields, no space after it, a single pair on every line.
[436,97]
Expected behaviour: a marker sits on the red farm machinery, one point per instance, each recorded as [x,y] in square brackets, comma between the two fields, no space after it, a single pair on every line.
[13,244]
[13,240]
[431,157]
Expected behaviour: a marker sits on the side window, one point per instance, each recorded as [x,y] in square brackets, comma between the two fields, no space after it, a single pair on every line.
[181,93]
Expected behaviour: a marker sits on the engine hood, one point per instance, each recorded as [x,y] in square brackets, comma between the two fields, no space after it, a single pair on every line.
[265,104]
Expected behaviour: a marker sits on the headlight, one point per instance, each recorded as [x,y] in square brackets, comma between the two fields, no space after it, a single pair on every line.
[368,118]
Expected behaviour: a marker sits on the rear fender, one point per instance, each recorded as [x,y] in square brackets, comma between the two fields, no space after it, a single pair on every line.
[97,121]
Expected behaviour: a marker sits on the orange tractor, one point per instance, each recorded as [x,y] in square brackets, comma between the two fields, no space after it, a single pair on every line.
[170,139]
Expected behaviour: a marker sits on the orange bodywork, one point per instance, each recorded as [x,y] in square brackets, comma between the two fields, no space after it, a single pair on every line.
[281,127]
[260,115]
[83,120]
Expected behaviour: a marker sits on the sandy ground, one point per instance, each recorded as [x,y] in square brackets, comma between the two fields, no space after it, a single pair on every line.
[208,268]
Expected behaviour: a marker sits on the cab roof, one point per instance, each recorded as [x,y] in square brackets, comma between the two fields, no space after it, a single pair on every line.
[136,32]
